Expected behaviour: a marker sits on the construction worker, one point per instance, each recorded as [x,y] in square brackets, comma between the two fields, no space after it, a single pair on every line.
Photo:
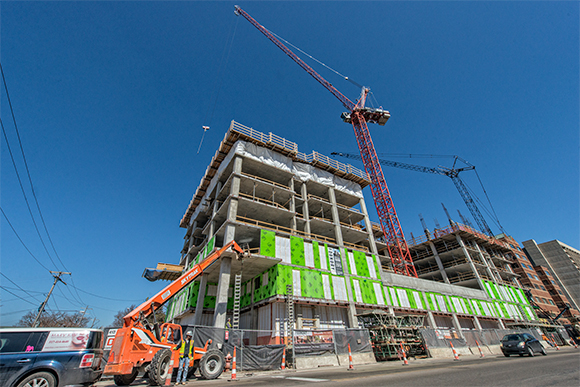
[228,327]
[185,353]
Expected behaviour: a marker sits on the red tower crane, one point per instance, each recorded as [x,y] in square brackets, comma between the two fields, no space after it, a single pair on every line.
[359,115]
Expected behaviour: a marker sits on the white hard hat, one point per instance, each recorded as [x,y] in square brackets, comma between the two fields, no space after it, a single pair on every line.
[189,333]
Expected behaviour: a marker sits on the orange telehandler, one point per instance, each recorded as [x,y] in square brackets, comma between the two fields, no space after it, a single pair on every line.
[142,346]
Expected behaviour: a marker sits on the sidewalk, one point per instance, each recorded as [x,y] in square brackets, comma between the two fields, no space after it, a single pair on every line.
[386,366]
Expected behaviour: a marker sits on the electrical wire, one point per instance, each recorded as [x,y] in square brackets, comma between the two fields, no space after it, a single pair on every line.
[105,298]
[24,193]
[16,295]
[30,181]
[18,286]
[21,241]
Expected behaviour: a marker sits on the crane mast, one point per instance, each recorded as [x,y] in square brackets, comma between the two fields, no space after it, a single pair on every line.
[359,115]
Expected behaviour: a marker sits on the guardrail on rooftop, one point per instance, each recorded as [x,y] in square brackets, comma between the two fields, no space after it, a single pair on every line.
[291,148]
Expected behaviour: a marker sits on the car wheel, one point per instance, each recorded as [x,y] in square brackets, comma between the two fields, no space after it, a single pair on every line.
[159,368]
[543,351]
[39,379]
[530,352]
[212,364]
[125,380]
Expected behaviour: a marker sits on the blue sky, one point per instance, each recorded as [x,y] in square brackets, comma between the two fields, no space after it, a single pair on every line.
[110,98]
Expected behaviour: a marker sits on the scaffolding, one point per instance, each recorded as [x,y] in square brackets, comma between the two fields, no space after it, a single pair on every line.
[388,333]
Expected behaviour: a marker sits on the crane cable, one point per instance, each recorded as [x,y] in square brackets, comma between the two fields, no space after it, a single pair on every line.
[228,48]
[316,60]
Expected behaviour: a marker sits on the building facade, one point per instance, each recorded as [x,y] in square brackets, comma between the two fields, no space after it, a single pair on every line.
[562,261]
[303,221]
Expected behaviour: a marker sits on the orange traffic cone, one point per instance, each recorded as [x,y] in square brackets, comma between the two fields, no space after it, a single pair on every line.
[350,366]
[405,362]
[455,355]
[283,367]
[169,373]
[555,344]
[233,377]
[480,351]
[572,342]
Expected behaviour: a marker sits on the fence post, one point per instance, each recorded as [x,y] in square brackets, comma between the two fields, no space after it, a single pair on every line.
[335,349]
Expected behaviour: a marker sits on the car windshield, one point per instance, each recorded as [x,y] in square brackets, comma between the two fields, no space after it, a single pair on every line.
[511,338]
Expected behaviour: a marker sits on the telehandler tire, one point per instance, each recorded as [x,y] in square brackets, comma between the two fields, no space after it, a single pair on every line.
[125,380]
[212,364]
[159,367]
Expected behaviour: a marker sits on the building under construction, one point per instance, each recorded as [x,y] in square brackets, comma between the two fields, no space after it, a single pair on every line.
[303,220]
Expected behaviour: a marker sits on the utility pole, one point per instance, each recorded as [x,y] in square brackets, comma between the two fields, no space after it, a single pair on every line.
[56,275]
[83,315]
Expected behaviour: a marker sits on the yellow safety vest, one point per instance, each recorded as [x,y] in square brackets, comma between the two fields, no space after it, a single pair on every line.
[182,349]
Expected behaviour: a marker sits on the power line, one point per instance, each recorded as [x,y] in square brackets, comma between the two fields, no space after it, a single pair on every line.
[14,283]
[105,298]
[24,193]
[30,181]
[16,295]
[21,241]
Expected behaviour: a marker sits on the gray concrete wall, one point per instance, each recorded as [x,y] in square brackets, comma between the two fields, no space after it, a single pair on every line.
[391,279]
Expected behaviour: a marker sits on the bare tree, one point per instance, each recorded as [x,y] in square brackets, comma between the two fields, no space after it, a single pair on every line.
[55,319]
[118,319]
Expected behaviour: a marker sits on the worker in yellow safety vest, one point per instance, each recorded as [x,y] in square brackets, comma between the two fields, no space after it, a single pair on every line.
[185,353]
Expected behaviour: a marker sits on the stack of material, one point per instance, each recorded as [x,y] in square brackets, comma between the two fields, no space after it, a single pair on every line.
[388,333]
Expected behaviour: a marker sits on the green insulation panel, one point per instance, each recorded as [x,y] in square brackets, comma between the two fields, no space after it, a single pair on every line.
[266,289]
[311,284]
[297,251]
[316,253]
[193,294]
[360,261]
[268,243]
[284,278]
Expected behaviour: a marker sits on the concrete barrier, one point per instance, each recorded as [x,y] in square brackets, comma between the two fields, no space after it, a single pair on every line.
[334,360]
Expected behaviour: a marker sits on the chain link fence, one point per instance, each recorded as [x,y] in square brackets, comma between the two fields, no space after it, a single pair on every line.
[331,342]
[440,338]
[253,349]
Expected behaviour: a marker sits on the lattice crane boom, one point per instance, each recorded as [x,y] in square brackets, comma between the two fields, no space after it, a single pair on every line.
[452,173]
[359,115]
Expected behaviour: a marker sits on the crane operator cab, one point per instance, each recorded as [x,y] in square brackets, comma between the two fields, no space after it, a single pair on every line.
[371,115]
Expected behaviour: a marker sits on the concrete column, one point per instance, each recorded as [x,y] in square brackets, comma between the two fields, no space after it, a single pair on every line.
[351,311]
[188,255]
[214,210]
[221,304]
[391,310]
[431,320]
[457,325]
[471,264]
[200,299]
[253,310]
[292,206]
[305,208]
[476,323]
[487,263]
[369,228]
[500,323]
[226,263]
[372,243]
[439,263]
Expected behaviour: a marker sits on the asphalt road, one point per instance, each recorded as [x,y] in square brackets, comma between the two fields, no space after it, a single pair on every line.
[559,368]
